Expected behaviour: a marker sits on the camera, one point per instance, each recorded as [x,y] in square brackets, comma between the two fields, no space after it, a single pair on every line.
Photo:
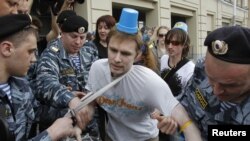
[80,1]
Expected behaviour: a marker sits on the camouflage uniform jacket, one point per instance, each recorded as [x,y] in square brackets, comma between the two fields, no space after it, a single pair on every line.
[204,108]
[55,72]
[20,114]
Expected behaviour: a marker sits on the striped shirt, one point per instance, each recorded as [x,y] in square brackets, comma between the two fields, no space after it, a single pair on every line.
[76,62]
[6,88]
[226,105]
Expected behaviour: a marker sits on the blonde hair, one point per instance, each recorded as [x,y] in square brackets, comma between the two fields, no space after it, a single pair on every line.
[154,38]
[121,35]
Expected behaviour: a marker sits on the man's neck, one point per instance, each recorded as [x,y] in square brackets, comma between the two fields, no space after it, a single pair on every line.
[241,98]
[3,75]
[173,61]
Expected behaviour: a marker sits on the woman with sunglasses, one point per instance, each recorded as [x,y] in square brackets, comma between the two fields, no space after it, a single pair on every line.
[176,69]
[158,40]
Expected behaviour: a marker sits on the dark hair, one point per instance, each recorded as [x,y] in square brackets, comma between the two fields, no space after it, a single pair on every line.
[110,22]
[89,36]
[182,37]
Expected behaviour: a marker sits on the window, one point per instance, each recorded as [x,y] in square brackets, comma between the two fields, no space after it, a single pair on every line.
[239,3]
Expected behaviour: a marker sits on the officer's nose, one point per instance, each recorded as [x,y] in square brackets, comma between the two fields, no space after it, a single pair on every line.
[14,9]
[78,40]
[102,30]
[170,45]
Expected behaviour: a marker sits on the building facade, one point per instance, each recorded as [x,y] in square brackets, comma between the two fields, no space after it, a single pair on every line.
[202,16]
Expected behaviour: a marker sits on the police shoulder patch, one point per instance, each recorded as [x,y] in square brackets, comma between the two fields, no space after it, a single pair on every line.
[200,98]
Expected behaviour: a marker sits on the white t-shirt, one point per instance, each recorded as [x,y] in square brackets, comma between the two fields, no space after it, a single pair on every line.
[130,102]
[184,73]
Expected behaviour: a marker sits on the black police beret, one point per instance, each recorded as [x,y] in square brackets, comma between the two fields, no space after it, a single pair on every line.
[75,24]
[64,15]
[10,24]
[231,44]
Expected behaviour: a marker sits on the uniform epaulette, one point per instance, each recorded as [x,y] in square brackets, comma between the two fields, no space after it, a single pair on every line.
[54,48]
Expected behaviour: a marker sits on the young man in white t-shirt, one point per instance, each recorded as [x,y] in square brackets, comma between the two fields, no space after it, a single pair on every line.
[129,103]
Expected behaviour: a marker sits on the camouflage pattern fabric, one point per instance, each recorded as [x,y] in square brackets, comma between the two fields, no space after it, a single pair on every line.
[204,108]
[55,72]
[22,116]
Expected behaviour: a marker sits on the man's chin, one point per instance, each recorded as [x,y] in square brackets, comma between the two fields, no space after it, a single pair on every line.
[115,74]
[223,98]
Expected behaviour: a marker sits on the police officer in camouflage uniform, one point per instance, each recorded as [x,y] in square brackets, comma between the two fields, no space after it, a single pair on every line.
[17,53]
[63,68]
[219,91]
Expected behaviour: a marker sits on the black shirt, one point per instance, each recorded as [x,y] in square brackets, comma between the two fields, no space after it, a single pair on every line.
[102,51]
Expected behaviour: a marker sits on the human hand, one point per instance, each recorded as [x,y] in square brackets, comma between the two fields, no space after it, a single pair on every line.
[155,113]
[165,124]
[69,88]
[69,4]
[61,128]
[79,94]
[84,115]
[78,132]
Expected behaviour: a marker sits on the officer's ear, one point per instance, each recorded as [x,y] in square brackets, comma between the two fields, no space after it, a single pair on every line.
[6,48]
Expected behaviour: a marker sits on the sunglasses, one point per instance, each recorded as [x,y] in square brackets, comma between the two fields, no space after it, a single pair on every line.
[162,35]
[175,43]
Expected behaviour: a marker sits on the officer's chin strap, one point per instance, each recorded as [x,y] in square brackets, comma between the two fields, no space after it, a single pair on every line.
[88,98]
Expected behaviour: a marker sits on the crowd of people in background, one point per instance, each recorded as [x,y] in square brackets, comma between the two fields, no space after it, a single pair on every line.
[162,94]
